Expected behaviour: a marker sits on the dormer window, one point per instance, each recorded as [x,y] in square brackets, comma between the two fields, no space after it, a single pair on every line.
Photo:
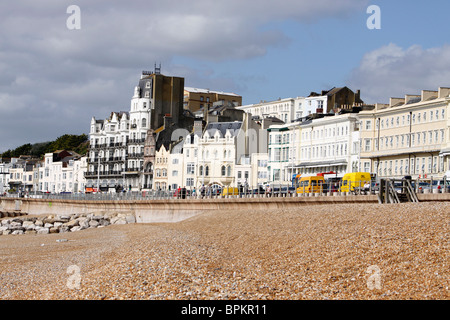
[147,85]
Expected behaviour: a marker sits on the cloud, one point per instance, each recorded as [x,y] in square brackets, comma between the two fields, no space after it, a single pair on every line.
[53,80]
[392,71]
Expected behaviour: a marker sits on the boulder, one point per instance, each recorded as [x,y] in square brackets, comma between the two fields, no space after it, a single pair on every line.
[64,229]
[43,231]
[39,223]
[113,220]
[48,220]
[54,230]
[48,225]
[76,228]
[6,232]
[17,232]
[130,219]
[30,231]
[120,221]
[6,222]
[104,222]
[71,223]
[83,223]
[15,224]
[4,228]
[93,223]
[57,224]
[28,225]
[16,228]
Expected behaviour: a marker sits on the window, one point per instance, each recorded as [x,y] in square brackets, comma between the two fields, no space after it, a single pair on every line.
[223,171]
[229,171]
[189,182]
[175,173]
[190,168]
[200,171]
[368,125]
[144,122]
[367,145]
[207,171]
[277,154]
[278,138]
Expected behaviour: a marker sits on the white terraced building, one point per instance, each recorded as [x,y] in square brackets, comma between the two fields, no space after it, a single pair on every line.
[330,144]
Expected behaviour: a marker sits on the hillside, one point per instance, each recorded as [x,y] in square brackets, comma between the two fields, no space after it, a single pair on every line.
[77,143]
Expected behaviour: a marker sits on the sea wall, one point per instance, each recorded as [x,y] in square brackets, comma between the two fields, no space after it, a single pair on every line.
[174,210]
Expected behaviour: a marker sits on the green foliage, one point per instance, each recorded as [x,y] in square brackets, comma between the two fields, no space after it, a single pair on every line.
[77,143]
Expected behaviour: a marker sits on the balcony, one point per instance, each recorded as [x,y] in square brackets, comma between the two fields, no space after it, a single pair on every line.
[95,174]
[138,141]
[135,155]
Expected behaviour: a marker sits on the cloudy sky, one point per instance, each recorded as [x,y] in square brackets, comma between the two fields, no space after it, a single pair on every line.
[53,79]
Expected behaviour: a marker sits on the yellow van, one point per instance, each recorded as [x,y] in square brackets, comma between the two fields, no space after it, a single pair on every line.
[312,184]
[353,180]
[230,191]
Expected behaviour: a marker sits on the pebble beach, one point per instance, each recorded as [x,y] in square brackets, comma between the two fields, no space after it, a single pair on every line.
[317,252]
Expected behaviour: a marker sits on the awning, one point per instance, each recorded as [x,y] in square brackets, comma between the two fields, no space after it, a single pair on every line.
[321,164]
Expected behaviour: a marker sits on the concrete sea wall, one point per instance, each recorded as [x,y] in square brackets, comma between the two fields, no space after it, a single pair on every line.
[174,210]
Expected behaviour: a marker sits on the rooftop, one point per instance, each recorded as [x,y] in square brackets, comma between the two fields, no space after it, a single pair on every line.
[197,90]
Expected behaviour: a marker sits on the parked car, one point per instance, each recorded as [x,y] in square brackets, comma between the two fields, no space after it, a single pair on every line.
[437,185]
[422,186]
[259,190]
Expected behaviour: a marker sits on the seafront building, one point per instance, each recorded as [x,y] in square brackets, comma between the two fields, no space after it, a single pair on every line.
[410,136]
[159,145]
[283,152]
[61,171]
[116,154]
[330,144]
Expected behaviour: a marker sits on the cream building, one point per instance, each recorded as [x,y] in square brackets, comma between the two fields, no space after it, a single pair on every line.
[161,168]
[408,136]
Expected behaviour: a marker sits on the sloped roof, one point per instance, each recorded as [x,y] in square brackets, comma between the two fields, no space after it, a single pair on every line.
[222,127]
[205,91]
